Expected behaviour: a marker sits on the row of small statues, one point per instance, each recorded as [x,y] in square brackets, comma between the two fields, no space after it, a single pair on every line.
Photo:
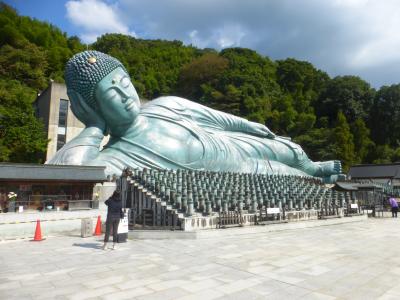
[204,192]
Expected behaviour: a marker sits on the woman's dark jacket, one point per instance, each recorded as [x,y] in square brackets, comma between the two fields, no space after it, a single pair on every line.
[114,208]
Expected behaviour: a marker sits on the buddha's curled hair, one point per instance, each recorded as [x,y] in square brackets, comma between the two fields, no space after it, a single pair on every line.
[86,69]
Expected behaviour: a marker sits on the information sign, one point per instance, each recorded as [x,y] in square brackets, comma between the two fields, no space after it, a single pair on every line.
[123,224]
[273,210]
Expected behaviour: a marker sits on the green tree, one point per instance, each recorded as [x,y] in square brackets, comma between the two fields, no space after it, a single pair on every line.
[22,137]
[343,140]
[154,65]
[362,141]
[349,94]
[200,74]
[317,143]
[31,52]
[27,64]
[382,154]
[385,120]
[302,81]
[237,81]
[253,79]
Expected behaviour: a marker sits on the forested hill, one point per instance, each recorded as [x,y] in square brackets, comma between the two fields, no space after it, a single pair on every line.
[341,117]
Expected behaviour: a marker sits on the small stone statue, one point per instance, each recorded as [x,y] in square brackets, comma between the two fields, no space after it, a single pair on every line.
[168,132]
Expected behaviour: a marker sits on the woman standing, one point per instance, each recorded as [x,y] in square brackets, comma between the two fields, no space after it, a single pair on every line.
[114,213]
[395,206]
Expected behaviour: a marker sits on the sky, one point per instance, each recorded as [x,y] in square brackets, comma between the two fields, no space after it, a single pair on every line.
[341,37]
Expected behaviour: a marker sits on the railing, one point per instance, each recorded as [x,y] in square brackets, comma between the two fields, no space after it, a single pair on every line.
[229,219]
[329,211]
[378,210]
[270,216]
[149,211]
[353,209]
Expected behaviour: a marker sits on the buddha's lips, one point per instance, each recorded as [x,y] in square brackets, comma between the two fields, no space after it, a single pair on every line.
[130,105]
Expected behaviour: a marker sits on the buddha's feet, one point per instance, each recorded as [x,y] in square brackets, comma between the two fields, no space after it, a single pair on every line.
[333,178]
[330,167]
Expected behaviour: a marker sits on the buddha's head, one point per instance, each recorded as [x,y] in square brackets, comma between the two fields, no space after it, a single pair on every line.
[104,84]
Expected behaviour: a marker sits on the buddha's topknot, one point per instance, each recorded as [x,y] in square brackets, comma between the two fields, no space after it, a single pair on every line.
[84,70]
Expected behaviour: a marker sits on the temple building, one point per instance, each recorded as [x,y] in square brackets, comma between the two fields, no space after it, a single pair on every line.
[381,173]
[49,187]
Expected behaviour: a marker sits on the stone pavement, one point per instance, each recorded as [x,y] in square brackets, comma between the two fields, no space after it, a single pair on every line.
[348,261]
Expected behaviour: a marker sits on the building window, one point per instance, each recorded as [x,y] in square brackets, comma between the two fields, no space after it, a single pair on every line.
[62,123]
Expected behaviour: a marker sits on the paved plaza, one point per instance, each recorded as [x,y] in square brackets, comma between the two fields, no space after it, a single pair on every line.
[349,261]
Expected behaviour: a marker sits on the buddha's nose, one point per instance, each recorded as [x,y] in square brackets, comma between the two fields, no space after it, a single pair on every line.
[124,95]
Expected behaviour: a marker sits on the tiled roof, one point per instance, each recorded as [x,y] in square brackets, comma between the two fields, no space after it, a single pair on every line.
[375,171]
[10,171]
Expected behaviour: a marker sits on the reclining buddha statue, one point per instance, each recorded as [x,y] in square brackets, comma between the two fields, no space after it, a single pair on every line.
[168,132]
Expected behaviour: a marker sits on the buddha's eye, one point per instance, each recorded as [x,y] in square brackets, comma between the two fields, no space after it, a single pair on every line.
[125,82]
[110,94]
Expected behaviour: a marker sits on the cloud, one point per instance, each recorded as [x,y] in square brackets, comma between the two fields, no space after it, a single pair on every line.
[357,37]
[380,24]
[340,36]
[95,18]
[228,35]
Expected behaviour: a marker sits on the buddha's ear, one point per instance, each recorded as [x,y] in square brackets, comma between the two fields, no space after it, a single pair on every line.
[73,96]
[107,129]
[73,100]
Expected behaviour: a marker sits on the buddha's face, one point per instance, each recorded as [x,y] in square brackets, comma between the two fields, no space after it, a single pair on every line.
[117,99]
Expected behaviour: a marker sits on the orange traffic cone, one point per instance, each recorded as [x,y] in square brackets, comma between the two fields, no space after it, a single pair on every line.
[38,233]
[98,226]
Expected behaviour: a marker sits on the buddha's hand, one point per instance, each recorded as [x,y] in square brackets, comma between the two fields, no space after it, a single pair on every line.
[260,130]
[86,114]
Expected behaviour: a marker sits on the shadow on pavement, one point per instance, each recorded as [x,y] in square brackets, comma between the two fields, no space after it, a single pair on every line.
[88,245]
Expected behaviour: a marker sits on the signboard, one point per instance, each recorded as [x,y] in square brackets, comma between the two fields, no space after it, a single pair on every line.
[123,224]
[354,205]
[273,210]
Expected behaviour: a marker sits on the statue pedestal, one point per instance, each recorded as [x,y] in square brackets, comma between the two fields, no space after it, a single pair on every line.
[200,222]
[301,215]
[237,232]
